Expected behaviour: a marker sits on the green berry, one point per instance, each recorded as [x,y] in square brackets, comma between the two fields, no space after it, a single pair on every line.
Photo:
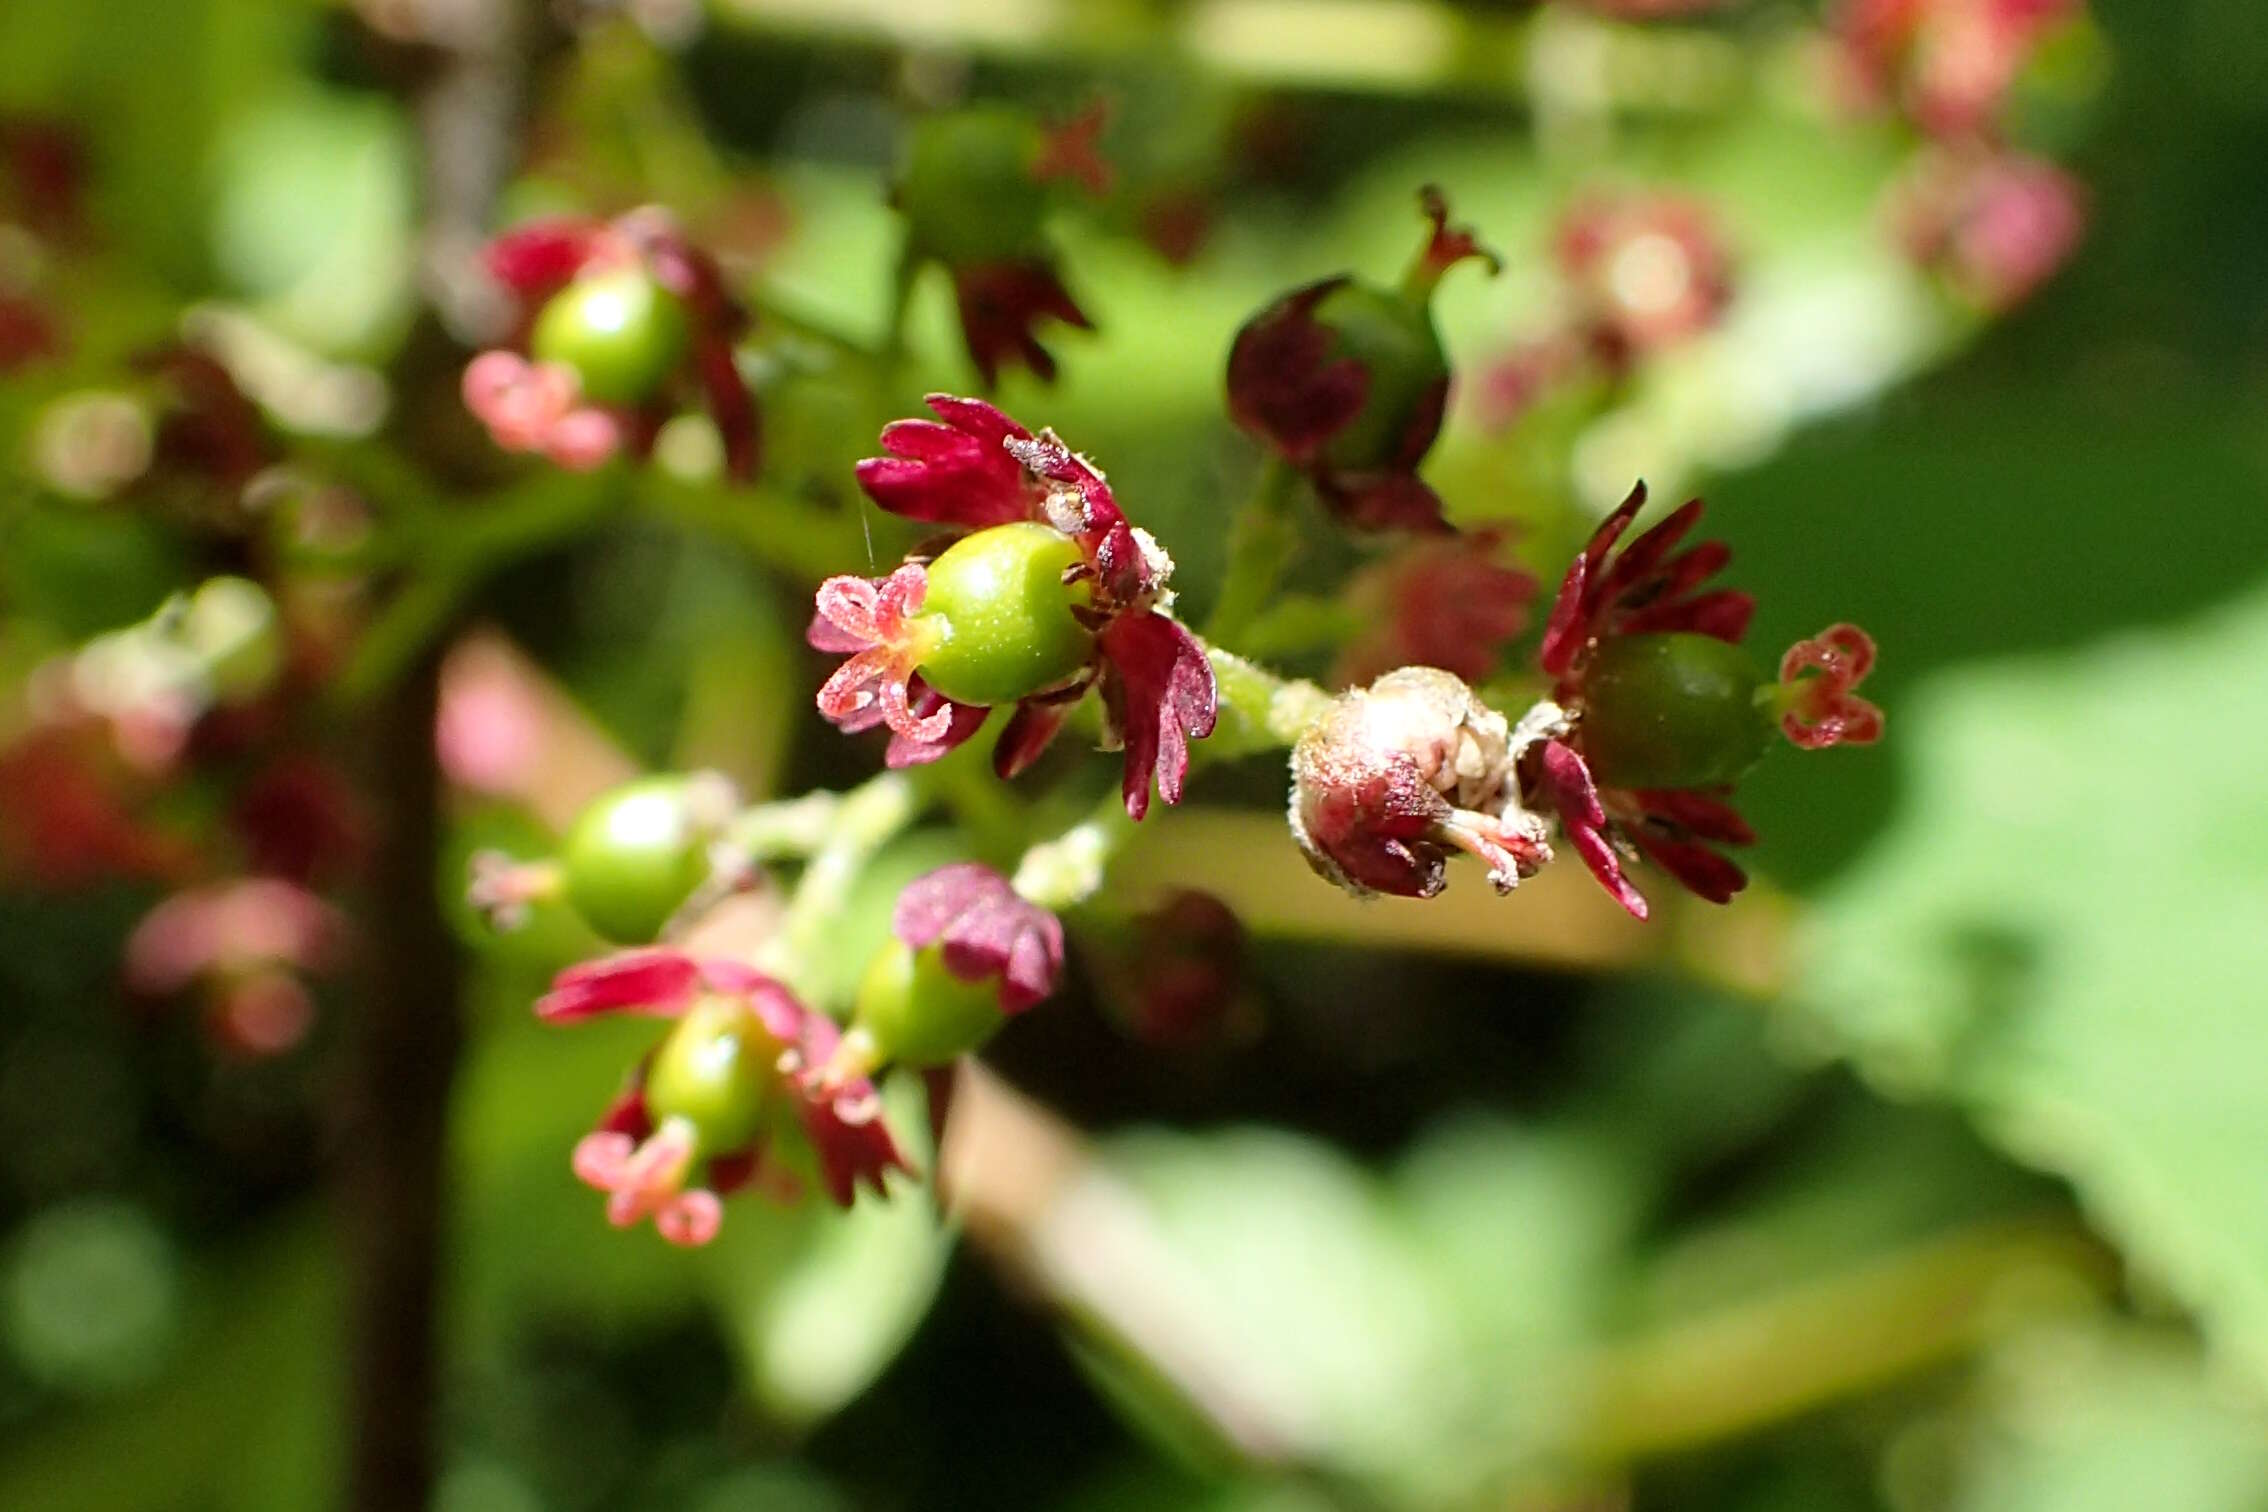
[714,1071]
[633,857]
[1392,336]
[919,1013]
[1002,615]
[1672,711]
[619,330]
[967,190]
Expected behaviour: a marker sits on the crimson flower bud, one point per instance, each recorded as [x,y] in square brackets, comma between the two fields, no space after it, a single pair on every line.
[1394,776]
[1347,381]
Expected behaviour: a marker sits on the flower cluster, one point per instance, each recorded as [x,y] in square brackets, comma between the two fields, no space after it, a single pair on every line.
[1948,65]
[1654,711]
[614,317]
[1346,381]
[1663,710]
[730,1098]
[1052,592]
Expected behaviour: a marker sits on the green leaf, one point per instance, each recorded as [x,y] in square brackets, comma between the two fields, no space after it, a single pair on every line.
[2061,933]
[2103,1420]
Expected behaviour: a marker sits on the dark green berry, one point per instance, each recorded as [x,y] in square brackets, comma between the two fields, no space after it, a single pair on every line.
[967,188]
[1672,711]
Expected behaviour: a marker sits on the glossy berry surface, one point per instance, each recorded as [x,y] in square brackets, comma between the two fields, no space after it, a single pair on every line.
[919,1013]
[1672,711]
[620,331]
[1002,615]
[713,1072]
[633,857]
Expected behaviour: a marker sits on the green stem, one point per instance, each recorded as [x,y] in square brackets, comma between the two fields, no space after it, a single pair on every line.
[453,553]
[1262,543]
[791,828]
[1068,870]
[1259,710]
[867,818]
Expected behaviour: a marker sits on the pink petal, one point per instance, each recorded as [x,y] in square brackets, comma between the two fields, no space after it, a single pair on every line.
[656,982]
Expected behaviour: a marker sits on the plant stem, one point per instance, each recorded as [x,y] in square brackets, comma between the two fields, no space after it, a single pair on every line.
[867,818]
[1262,543]
[400,1061]
[1259,710]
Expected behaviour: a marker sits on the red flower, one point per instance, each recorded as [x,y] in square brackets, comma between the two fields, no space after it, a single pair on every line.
[1995,227]
[244,945]
[1001,304]
[540,407]
[1183,983]
[695,1123]
[1673,828]
[1346,381]
[1647,590]
[977,468]
[983,929]
[1652,588]
[1819,675]
[975,190]
[1649,271]
[1949,64]
[1447,603]
[1394,776]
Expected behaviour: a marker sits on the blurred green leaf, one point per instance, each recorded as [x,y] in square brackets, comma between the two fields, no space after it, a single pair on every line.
[312,216]
[2106,1420]
[2061,932]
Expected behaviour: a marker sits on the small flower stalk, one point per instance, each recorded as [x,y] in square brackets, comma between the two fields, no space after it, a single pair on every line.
[1051,592]
[1655,710]
[731,1098]
[618,319]
[975,189]
[1346,381]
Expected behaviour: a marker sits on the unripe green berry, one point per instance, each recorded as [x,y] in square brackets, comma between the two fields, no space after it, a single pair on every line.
[967,189]
[919,1013]
[1672,711]
[1002,615]
[619,330]
[633,857]
[1392,336]
[714,1071]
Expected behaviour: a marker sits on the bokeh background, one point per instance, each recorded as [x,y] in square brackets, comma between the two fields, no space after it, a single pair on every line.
[1924,1177]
